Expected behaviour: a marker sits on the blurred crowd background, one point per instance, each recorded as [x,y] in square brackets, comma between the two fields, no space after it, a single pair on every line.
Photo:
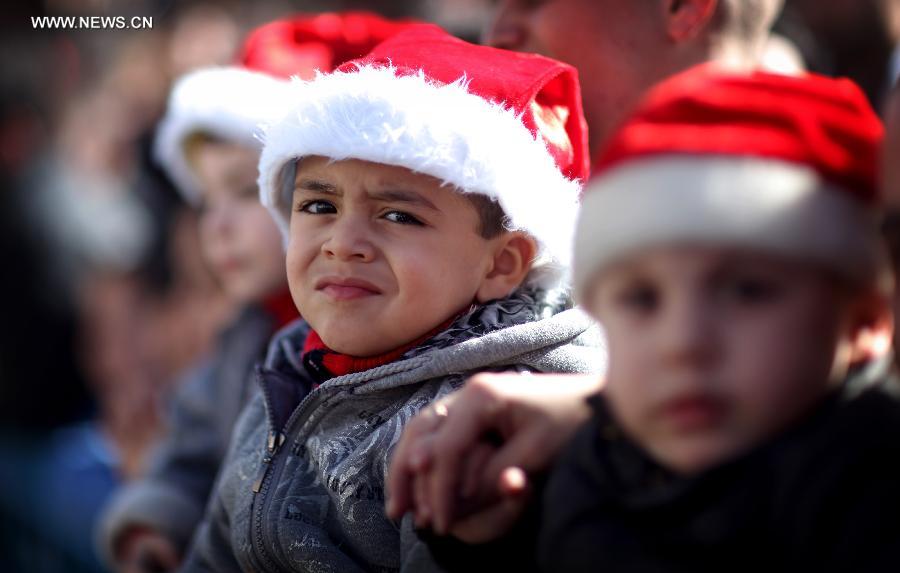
[104,298]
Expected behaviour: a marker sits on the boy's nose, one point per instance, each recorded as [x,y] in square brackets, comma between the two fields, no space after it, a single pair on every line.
[689,337]
[349,241]
[217,219]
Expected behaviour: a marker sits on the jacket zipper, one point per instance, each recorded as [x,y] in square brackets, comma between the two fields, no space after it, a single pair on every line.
[273,444]
[274,440]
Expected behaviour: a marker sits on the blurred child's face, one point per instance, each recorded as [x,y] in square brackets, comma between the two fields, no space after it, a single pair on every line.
[240,239]
[379,255]
[891,189]
[712,350]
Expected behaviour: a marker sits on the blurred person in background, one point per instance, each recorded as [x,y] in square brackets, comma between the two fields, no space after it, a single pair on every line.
[890,180]
[890,12]
[622,47]
[209,143]
[104,302]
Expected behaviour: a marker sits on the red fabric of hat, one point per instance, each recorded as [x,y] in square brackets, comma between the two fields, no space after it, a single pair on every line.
[777,164]
[545,92]
[301,45]
[813,120]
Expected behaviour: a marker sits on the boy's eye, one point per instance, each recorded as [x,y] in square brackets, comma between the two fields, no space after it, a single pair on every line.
[249,192]
[316,208]
[752,289]
[640,298]
[402,217]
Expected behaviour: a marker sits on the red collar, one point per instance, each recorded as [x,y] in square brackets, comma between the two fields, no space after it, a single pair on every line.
[317,356]
[280,306]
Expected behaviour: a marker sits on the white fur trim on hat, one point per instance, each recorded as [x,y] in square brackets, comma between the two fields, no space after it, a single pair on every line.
[231,103]
[441,130]
[763,204]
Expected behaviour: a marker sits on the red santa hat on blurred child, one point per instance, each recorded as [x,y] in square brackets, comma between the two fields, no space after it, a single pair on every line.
[502,124]
[769,162]
[232,102]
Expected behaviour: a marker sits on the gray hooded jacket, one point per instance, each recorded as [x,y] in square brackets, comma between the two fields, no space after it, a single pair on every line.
[302,488]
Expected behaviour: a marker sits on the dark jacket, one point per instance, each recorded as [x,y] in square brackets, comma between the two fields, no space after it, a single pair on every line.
[171,496]
[303,486]
[823,496]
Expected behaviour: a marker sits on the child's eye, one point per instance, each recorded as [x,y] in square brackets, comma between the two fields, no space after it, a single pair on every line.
[640,298]
[249,192]
[752,289]
[402,217]
[317,207]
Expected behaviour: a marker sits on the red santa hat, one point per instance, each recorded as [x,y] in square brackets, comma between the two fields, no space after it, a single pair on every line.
[502,124]
[768,162]
[232,102]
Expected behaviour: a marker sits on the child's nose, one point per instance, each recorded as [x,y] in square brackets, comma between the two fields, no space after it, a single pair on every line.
[349,241]
[689,336]
[218,219]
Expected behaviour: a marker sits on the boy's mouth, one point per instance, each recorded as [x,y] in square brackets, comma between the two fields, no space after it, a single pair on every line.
[342,288]
[693,412]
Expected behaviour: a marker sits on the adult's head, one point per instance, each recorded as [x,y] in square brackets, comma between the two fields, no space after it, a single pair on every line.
[622,47]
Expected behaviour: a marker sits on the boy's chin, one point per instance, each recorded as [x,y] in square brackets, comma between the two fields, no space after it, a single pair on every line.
[355,346]
[694,457]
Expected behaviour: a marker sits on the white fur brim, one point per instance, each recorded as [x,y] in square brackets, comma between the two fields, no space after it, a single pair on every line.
[373,114]
[230,103]
[743,202]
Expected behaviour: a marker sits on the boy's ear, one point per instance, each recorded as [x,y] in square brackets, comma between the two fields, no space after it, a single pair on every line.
[513,256]
[685,19]
[872,327]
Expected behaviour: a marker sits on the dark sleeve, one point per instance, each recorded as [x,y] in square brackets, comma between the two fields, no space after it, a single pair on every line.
[582,528]
[512,552]
[846,498]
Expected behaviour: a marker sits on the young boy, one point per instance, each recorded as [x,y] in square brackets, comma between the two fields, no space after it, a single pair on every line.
[209,144]
[427,192]
[728,245]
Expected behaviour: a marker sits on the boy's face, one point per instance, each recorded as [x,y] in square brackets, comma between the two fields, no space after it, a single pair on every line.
[240,239]
[713,350]
[379,255]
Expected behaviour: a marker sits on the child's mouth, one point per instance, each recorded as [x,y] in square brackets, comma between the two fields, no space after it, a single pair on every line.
[346,288]
[693,412]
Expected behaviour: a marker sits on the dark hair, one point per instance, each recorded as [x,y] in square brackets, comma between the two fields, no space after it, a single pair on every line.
[491,219]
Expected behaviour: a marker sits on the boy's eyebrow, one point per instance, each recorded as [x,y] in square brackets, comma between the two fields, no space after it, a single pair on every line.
[238,177]
[399,196]
[317,186]
[392,195]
